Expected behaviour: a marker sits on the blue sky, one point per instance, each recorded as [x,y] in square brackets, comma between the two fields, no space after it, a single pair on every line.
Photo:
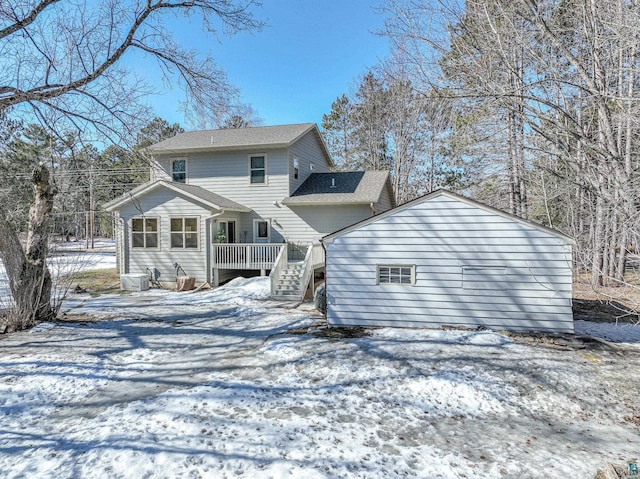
[309,53]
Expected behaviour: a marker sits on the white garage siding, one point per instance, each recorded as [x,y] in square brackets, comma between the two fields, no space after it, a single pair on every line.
[473,267]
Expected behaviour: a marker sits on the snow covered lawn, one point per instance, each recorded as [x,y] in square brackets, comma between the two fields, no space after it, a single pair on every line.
[210,385]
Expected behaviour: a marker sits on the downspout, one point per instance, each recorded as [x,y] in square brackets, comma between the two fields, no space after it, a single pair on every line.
[215,270]
[373,209]
[210,248]
[121,256]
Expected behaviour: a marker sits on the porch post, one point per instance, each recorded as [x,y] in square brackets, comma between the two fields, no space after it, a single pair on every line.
[214,264]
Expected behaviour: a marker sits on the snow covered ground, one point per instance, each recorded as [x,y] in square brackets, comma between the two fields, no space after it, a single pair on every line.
[69,257]
[211,385]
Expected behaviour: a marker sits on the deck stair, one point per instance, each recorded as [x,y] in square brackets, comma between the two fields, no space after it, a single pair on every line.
[289,284]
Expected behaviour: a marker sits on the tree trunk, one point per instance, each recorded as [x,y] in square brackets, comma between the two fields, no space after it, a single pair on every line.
[29,277]
[598,244]
[622,256]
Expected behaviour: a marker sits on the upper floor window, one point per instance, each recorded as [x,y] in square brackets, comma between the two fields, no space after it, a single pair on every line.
[258,170]
[184,233]
[296,168]
[179,170]
[144,232]
[396,274]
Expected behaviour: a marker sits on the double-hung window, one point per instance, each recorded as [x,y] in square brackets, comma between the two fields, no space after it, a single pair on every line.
[258,169]
[396,274]
[144,232]
[179,170]
[184,233]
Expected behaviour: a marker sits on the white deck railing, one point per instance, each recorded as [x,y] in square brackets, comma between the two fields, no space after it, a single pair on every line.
[317,255]
[245,256]
[278,266]
[307,272]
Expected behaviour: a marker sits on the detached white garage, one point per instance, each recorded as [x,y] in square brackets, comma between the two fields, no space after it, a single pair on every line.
[444,259]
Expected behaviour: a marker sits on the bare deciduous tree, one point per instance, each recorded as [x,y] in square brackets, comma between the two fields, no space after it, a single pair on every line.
[70,64]
[562,77]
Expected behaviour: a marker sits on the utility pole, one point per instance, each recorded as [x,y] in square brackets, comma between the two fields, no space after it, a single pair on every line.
[91,204]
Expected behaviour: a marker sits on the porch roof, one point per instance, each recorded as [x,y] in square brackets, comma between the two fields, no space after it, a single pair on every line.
[197,193]
[357,187]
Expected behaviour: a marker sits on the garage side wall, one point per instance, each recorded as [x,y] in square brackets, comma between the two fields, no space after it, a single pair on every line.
[471,267]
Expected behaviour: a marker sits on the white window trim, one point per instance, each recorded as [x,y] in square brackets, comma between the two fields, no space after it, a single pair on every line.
[411,266]
[186,168]
[266,178]
[255,230]
[157,218]
[183,248]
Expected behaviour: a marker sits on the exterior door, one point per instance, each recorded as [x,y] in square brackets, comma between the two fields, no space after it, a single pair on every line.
[261,231]
[224,231]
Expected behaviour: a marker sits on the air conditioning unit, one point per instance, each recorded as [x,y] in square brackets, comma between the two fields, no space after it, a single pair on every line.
[134,282]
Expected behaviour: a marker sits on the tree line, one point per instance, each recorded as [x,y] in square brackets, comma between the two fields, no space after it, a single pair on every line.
[529,106]
[84,176]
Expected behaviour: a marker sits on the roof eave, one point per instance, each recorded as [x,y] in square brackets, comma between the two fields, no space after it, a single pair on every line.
[329,238]
[206,149]
[327,203]
[115,205]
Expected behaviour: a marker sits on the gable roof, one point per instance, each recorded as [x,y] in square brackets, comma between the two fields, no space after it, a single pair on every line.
[455,196]
[238,138]
[194,192]
[358,187]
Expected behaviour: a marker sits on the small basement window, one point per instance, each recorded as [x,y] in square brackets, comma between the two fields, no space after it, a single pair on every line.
[396,274]
[179,170]
[184,233]
[144,233]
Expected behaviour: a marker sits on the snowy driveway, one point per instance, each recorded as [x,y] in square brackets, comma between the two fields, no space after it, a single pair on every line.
[205,385]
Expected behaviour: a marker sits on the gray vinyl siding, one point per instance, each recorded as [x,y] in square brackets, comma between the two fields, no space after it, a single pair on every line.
[321,220]
[473,268]
[165,204]
[307,151]
[227,174]
[385,202]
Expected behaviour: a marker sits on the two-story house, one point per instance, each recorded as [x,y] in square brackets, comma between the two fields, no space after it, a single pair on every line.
[223,201]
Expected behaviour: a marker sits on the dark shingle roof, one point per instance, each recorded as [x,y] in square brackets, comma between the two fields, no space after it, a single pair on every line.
[282,135]
[342,187]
